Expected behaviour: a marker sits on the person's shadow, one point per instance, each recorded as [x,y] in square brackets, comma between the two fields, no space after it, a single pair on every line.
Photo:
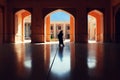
[60,53]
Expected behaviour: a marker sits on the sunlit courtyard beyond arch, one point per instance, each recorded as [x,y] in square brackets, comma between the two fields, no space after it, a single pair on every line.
[55,22]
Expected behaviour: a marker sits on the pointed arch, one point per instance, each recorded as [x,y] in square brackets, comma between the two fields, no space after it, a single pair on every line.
[47,25]
[97,25]
[22,20]
[59,10]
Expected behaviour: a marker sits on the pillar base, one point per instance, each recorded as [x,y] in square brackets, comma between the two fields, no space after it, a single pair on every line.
[81,39]
[37,38]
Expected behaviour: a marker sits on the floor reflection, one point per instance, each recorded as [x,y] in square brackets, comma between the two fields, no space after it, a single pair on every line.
[53,51]
[60,53]
[95,60]
[91,59]
[23,56]
[61,68]
[28,61]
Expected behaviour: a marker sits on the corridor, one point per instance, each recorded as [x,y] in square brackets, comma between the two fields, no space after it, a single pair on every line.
[75,61]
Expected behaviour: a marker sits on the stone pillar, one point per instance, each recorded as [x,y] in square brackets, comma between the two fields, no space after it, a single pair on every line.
[37,28]
[107,25]
[9,32]
[81,34]
[72,29]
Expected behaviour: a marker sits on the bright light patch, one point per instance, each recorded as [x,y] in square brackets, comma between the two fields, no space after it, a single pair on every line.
[61,67]
[27,63]
[91,62]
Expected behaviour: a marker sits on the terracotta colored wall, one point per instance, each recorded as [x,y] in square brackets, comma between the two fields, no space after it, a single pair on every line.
[72,33]
[24,14]
[48,28]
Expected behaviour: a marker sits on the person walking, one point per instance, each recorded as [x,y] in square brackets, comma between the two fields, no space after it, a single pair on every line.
[60,37]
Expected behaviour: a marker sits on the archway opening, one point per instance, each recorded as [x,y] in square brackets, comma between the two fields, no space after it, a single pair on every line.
[22,26]
[117,26]
[95,26]
[56,21]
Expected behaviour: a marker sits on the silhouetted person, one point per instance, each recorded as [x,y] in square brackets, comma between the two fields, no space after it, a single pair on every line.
[60,37]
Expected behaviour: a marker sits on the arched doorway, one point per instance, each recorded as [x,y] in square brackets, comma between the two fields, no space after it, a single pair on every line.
[52,28]
[22,26]
[95,26]
[117,26]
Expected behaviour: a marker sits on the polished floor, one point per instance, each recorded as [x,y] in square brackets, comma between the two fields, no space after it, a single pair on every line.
[80,61]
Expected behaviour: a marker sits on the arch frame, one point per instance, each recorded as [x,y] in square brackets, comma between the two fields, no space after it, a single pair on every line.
[49,12]
[15,12]
[99,11]
[71,11]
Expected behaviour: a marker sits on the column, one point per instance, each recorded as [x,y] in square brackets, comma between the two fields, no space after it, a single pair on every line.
[37,28]
[81,34]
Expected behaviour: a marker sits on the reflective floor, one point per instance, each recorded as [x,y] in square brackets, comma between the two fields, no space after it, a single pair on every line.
[28,61]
